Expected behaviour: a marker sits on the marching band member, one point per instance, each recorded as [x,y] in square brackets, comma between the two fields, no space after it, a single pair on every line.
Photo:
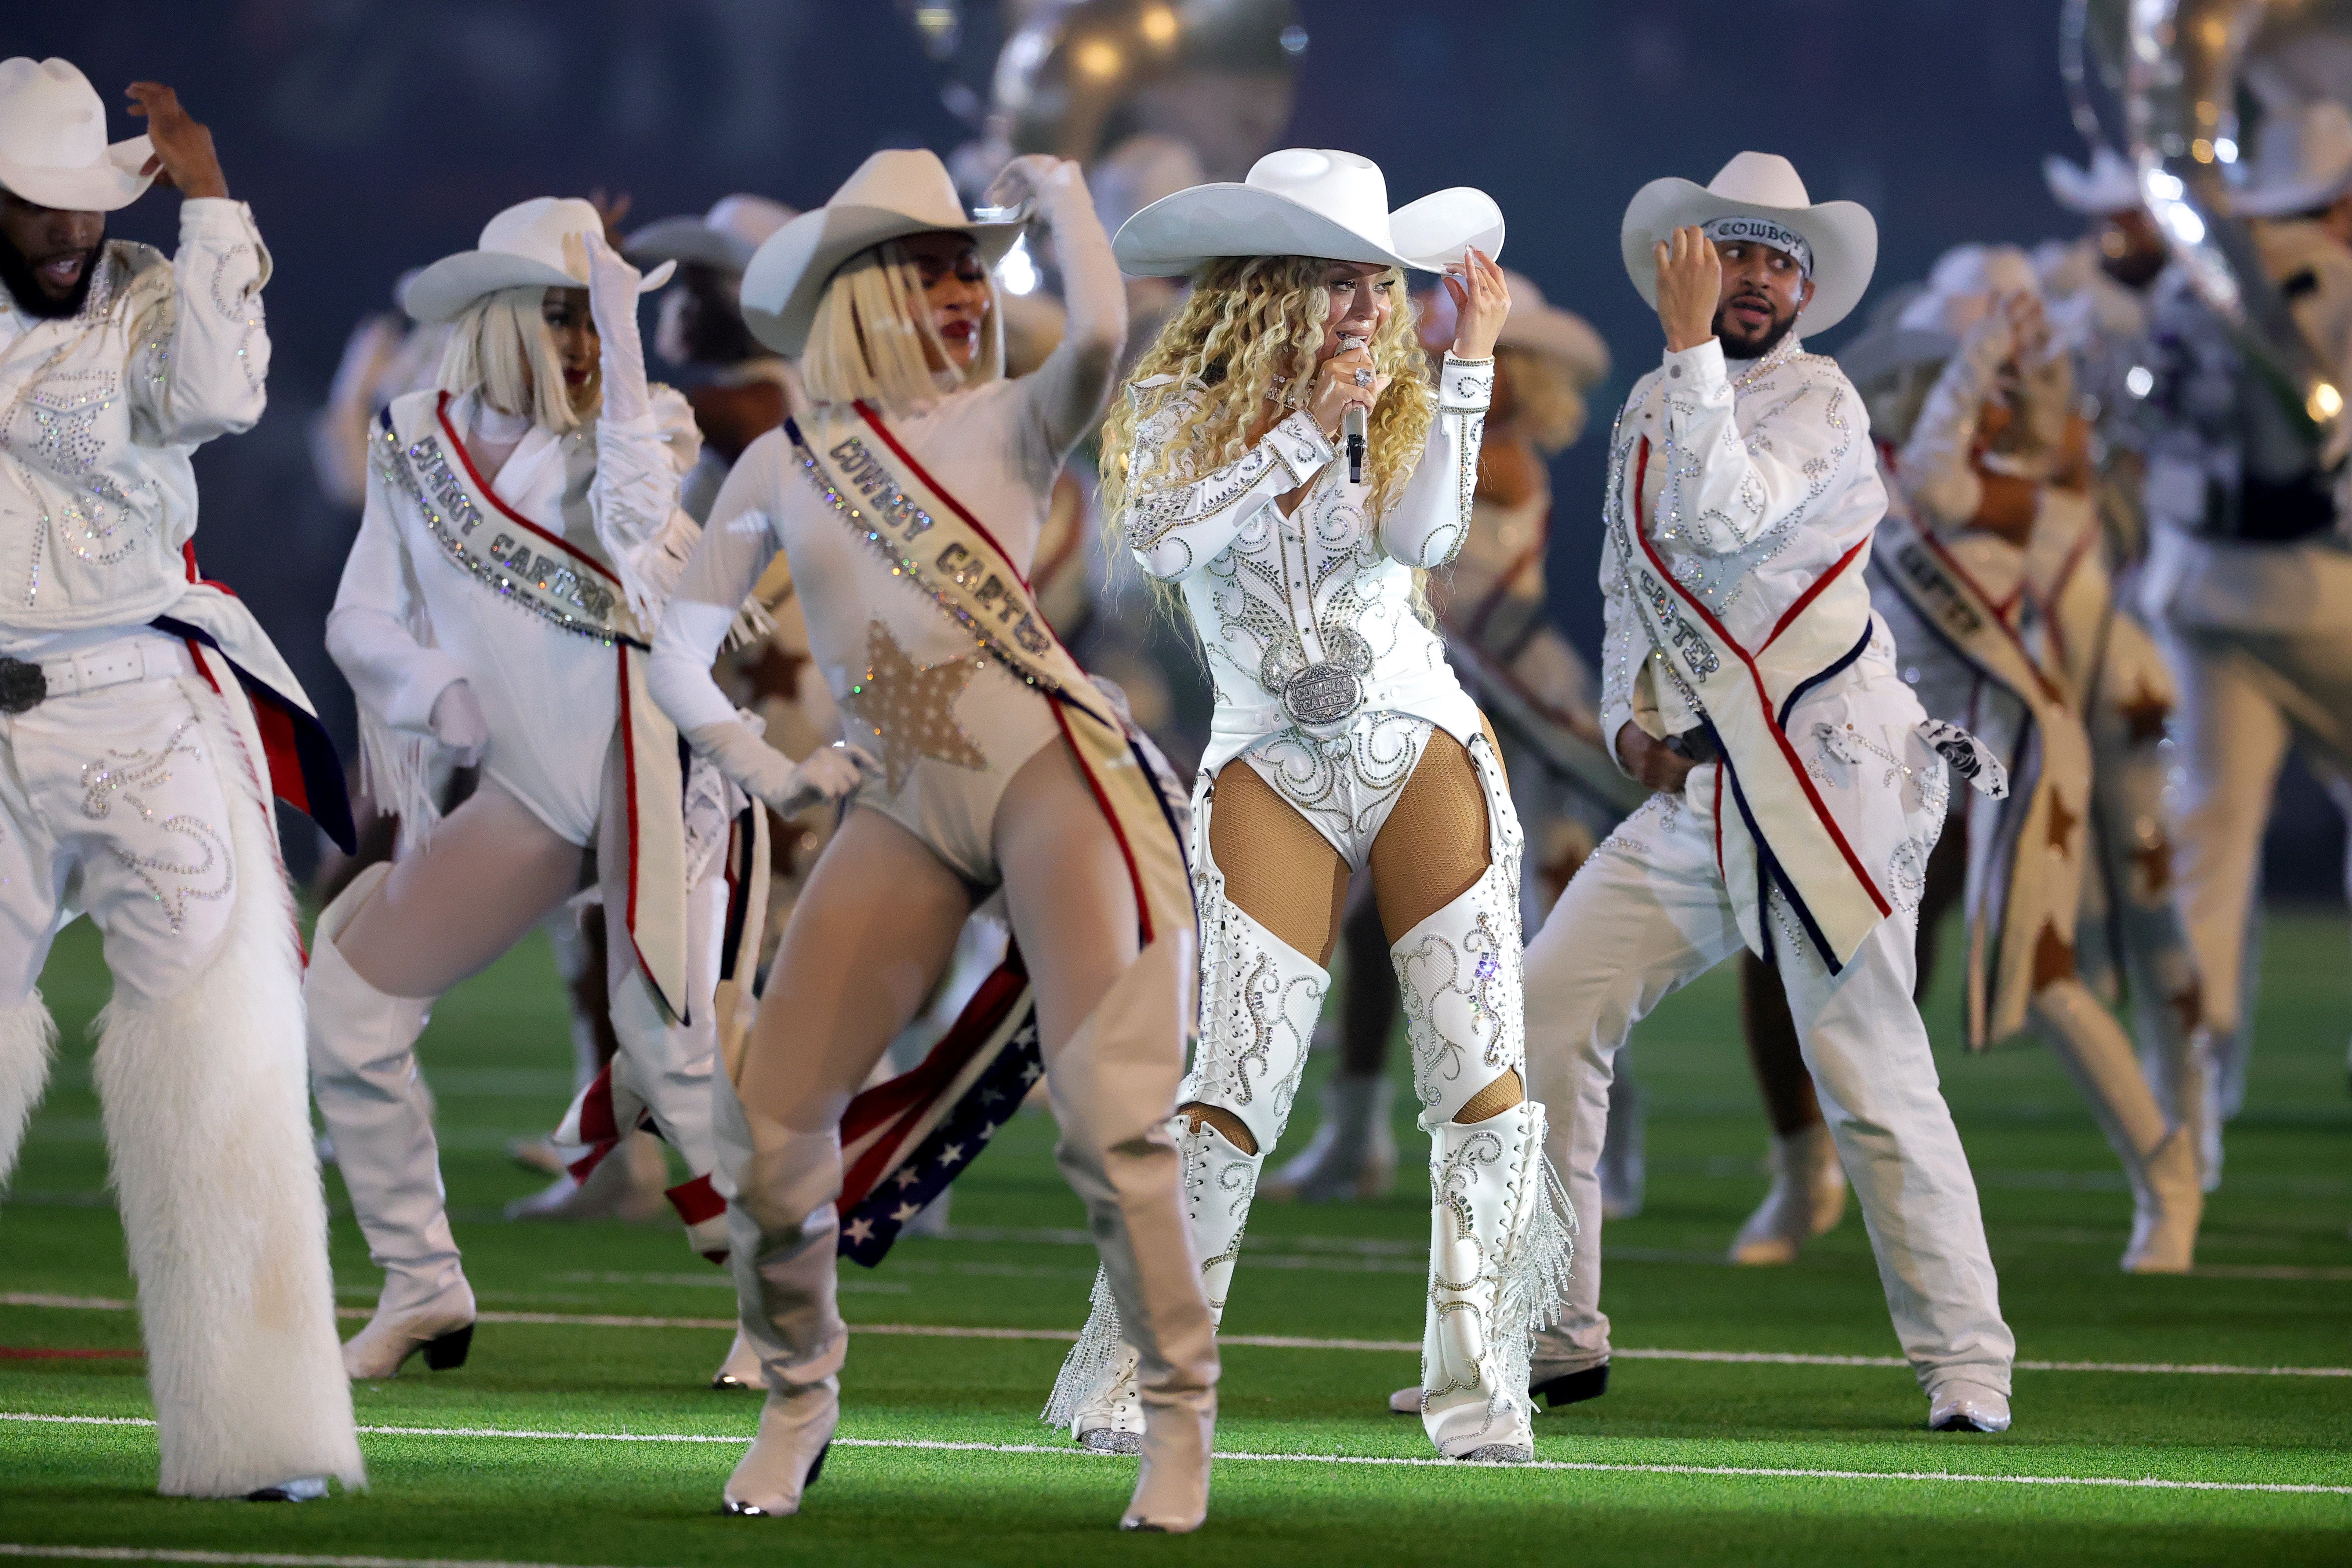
[1800,787]
[1341,739]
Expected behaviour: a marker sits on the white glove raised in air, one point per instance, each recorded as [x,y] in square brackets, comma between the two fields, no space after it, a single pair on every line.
[458,723]
[735,748]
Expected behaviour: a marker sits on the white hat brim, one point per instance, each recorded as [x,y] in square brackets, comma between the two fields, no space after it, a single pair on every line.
[2291,199]
[788,274]
[1843,235]
[1177,234]
[689,242]
[442,291]
[1558,335]
[1885,350]
[102,188]
[2082,190]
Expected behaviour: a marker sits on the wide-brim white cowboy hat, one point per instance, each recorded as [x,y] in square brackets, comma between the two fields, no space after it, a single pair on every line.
[1843,236]
[725,239]
[522,248]
[1541,326]
[2108,185]
[1308,201]
[2302,162]
[53,146]
[1964,283]
[895,193]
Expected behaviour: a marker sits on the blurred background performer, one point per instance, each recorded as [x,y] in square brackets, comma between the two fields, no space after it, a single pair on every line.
[1534,688]
[999,768]
[1989,570]
[1342,740]
[1800,788]
[2248,583]
[133,702]
[521,535]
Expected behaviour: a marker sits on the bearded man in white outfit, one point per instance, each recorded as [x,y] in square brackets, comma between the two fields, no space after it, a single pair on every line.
[143,715]
[1745,678]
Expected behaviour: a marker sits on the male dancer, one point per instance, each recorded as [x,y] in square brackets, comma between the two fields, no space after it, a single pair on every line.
[1745,678]
[143,713]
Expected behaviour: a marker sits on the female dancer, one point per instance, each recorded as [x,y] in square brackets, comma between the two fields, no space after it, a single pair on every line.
[1340,737]
[909,499]
[521,533]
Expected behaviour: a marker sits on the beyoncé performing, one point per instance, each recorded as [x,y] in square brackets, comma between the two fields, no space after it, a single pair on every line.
[963,781]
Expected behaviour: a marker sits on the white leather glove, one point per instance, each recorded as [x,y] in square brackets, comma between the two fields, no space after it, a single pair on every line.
[1039,178]
[612,287]
[789,788]
[458,724]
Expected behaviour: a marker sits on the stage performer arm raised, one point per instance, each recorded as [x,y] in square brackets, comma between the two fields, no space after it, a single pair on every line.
[202,360]
[1066,395]
[1431,520]
[1176,524]
[645,441]
[726,564]
[1935,467]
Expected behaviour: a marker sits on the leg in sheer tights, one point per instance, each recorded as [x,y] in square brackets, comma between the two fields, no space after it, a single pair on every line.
[868,938]
[491,871]
[1067,889]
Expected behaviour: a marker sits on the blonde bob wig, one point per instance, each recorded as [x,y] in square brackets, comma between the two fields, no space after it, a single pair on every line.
[501,346]
[872,337]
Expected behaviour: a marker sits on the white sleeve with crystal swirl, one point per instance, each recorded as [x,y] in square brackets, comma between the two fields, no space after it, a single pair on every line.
[1723,489]
[1431,518]
[201,345]
[1177,524]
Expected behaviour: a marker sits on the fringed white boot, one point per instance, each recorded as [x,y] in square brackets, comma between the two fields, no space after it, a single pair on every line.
[1112,1086]
[1498,1262]
[1258,1022]
[781,1186]
[1807,1199]
[28,1037]
[208,1133]
[363,1071]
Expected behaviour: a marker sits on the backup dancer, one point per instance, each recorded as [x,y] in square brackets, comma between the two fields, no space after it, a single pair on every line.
[521,531]
[134,703]
[1341,739]
[909,498]
[1800,788]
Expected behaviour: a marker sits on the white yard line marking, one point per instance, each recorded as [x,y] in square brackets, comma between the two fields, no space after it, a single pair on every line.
[269,1559]
[1271,1342]
[1066,1451]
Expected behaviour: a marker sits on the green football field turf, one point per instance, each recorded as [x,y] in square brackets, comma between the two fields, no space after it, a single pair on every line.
[2216,1425]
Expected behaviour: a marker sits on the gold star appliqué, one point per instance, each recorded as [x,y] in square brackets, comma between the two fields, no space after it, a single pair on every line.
[909,707]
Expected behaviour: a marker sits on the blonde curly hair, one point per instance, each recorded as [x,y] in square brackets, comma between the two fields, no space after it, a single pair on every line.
[1249,333]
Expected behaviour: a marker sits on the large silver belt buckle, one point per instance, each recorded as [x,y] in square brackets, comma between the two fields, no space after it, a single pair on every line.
[1322,694]
[23,686]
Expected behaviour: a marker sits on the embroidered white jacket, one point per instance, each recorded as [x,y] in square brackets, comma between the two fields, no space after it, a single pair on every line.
[1760,476]
[99,413]
[1270,595]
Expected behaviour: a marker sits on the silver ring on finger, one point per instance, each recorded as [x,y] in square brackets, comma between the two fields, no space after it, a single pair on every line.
[1363,376]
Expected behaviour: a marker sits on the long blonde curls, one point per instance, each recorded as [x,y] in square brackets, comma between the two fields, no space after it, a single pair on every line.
[1250,331]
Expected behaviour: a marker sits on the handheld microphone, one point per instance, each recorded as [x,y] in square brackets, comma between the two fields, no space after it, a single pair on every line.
[1352,426]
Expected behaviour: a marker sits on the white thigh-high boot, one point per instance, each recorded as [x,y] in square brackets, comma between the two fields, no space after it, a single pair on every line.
[1500,1223]
[783,1228]
[363,1072]
[1112,1087]
[27,1035]
[1261,997]
[208,1133]
[2167,1198]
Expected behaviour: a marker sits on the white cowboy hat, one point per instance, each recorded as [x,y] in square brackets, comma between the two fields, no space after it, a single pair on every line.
[2300,162]
[53,146]
[1842,236]
[1963,284]
[520,248]
[1308,201]
[2109,184]
[725,239]
[1541,327]
[895,193]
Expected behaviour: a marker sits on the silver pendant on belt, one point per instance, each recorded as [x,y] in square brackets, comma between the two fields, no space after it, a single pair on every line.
[1327,690]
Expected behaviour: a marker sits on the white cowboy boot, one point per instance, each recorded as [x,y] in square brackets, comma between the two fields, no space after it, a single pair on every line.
[781,1186]
[1499,1261]
[1264,998]
[740,1370]
[1112,1087]
[362,1048]
[2167,1200]
[1958,1406]
[1807,1199]
[1354,1153]
[2167,1203]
